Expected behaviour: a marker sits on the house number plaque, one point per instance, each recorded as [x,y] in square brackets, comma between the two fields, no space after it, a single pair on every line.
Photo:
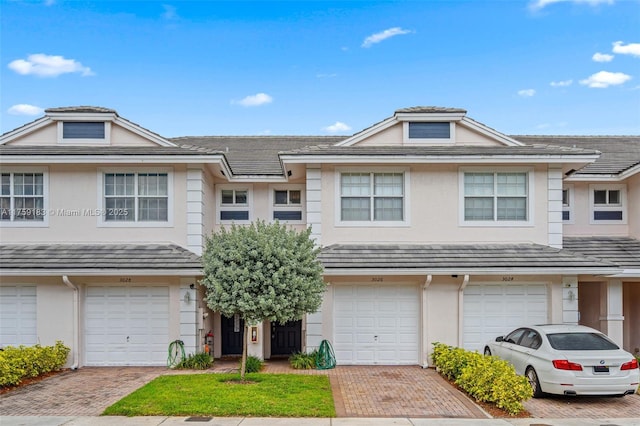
[377,279]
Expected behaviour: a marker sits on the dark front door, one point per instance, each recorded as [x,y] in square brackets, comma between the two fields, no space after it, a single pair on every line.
[232,329]
[286,338]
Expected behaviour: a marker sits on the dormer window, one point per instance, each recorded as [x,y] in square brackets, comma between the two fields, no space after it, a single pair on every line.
[84,132]
[428,132]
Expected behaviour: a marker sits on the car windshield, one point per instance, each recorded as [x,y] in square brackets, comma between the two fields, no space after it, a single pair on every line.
[580,342]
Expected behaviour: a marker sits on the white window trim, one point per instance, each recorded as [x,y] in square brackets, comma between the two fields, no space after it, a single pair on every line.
[497,223]
[291,207]
[105,141]
[228,207]
[102,223]
[569,208]
[44,223]
[372,223]
[431,141]
[622,207]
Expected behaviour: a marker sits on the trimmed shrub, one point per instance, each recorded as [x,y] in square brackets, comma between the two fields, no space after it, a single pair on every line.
[303,361]
[18,363]
[254,364]
[486,378]
[199,361]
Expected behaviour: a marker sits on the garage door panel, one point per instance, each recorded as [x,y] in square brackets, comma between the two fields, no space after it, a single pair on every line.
[126,325]
[384,326]
[18,310]
[491,310]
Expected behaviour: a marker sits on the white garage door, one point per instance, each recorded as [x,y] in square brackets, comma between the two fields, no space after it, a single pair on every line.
[492,310]
[376,324]
[126,325]
[18,315]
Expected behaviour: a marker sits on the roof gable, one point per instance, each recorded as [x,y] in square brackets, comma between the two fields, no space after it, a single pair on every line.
[464,131]
[47,130]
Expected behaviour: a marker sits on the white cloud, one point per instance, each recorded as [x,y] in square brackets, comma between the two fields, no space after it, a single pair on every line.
[626,49]
[602,57]
[254,100]
[526,93]
[541,4]
[169,12]
[603,79]
[562,83]
[383,35]
[48,66]
[337,127]
[25,109]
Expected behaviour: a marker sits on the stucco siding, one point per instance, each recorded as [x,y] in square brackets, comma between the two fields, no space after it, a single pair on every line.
[74,199]
[466,136]
[121,136]
[633,194]
[47,135]
[433,212]
[582,212]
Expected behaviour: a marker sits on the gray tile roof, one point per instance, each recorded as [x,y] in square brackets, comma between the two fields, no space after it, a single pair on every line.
[62,150]
[81,109]
[440,151]
[458,258]
[97,257]
[254,155]
[622,251]
[619,153]
[430,110]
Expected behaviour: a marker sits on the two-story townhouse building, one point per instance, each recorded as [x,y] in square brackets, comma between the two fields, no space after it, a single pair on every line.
[433,227]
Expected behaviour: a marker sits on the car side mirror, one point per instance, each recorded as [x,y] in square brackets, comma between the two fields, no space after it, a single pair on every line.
[500,339]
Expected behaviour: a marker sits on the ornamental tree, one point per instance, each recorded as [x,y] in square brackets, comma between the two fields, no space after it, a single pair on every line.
[264,271]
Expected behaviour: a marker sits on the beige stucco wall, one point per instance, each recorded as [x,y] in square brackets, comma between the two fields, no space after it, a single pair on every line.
[48,135]
[260,207]
[441,304]
[122,136]
[75,188]
[434,212]
[55,310]
[394,136]
[633,196]
[582,212]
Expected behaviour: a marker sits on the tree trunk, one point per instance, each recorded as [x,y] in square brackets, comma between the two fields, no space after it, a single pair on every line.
[243,366]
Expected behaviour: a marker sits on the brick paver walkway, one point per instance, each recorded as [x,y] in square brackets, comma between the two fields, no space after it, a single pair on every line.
[563,407]
[380,391]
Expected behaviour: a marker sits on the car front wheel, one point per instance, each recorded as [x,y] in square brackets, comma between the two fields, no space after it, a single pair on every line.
[532,376]
[487,351]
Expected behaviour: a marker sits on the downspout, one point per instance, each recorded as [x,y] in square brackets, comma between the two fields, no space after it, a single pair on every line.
[425,322]
[76,336]
[465,281]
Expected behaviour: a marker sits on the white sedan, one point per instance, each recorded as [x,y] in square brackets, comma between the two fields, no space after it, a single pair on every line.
[568,360]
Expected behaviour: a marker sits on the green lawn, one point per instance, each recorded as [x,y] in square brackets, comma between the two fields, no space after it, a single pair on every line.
[270,395]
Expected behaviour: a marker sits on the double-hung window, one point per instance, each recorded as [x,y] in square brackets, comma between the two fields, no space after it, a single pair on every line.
[496,196]
[138,197]
[608,203]
[372,197]
[22,197]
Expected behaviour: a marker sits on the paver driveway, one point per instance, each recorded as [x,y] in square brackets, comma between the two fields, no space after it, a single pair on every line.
[358,391]
[563,407]
[380,391]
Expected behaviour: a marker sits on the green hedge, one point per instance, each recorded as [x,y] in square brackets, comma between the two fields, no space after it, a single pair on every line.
[18,363]
[486,378]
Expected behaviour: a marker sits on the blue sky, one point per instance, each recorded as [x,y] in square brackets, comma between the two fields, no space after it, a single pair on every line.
[302,67]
